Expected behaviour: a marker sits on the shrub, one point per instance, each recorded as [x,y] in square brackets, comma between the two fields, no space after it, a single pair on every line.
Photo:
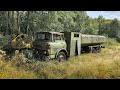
[9,71]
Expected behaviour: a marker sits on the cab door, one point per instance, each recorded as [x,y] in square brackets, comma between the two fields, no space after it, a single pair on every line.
[58,43]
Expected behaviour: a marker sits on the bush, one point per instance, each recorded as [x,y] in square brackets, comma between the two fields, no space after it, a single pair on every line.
[4,40]
[111,42]
[9,71]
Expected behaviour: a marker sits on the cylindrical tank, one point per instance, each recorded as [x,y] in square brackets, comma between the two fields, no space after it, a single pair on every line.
[92,39]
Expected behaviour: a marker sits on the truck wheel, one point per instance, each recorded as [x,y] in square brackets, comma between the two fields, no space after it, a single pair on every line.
[61,56]
[27,53]
[94,50]
[99,50]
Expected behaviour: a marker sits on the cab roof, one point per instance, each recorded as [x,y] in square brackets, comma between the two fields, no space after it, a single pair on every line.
[52,32]
[56,33]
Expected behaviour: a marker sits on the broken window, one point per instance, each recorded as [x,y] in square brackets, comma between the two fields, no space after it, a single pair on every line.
[76,35]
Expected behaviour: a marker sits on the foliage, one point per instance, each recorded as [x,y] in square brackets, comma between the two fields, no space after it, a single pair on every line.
[8,71]
[29,22]
[15,22]
[114,28]
[111,42]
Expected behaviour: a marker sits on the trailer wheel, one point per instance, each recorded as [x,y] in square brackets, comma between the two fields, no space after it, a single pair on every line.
[61,56]
[94,50]
[98,50]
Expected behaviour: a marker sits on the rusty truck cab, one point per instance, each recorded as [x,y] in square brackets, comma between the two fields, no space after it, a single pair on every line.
[49,44]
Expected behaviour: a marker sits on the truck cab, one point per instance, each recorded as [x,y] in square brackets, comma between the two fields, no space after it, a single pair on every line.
[50,45]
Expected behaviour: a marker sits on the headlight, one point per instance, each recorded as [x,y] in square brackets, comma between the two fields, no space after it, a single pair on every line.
[45,52]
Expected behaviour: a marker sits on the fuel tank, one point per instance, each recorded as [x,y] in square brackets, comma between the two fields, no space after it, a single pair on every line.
[92,39]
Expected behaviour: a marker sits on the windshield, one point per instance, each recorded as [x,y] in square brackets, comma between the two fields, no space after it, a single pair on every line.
[44,36]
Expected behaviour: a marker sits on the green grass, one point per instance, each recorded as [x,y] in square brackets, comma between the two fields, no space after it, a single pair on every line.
[104,65]
[111,43]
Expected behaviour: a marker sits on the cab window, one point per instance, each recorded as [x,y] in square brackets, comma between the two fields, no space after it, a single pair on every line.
[56,37]
[44,36]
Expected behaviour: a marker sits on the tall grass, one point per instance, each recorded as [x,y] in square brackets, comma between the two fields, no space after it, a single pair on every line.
[104,65]
[8,71]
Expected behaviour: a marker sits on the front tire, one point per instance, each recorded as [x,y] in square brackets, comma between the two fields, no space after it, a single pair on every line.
[61,56]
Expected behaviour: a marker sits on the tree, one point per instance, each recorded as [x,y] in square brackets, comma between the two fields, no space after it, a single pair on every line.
[3,22]
[114,28]
[91,26]
[101,26]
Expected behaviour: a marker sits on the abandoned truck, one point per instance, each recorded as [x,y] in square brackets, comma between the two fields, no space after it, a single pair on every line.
[62,45]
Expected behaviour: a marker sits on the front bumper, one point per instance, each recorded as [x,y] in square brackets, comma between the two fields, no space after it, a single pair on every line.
[42,54]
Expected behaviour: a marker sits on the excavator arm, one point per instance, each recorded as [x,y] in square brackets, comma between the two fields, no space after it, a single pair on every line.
[21,42]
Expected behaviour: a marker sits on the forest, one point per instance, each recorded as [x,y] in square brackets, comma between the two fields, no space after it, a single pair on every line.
[28,22]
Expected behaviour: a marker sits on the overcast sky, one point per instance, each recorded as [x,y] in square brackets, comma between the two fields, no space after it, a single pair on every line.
[105,14]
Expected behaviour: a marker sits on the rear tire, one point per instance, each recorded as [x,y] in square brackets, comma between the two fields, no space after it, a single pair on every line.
[61,56]
[94,50]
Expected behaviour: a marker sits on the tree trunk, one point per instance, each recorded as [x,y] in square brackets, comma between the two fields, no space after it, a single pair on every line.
[8,26]
[27,22]
[18,22]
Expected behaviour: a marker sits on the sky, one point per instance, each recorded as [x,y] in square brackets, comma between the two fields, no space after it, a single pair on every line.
[105,14]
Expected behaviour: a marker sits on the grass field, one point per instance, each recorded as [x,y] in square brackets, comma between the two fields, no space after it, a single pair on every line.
[104,65]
